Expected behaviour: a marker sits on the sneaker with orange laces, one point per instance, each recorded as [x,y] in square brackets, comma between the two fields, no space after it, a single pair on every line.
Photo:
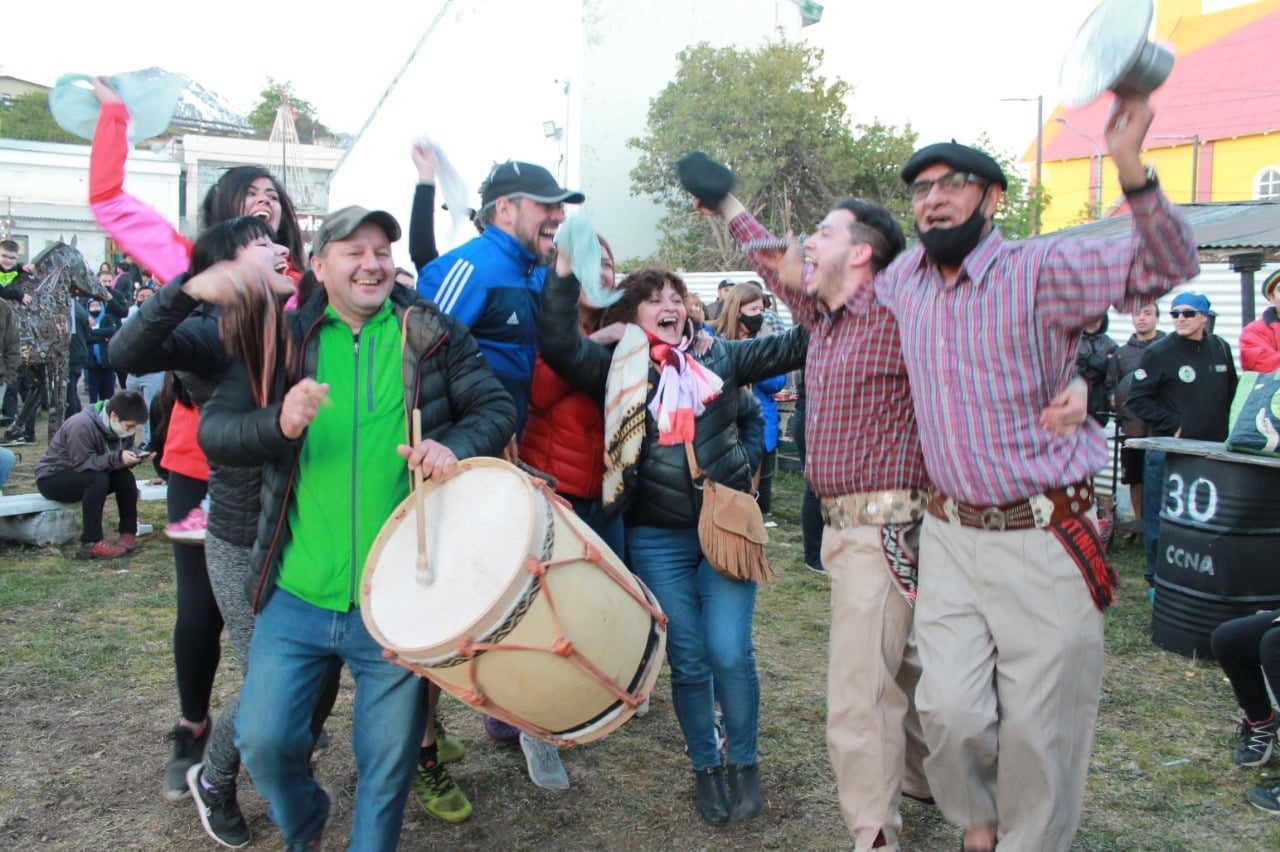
[189,530]
[129,541]
[101,549]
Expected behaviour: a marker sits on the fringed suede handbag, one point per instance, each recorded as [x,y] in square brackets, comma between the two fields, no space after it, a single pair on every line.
[730,528]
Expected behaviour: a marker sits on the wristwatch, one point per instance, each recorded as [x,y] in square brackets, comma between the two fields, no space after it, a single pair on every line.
[1151,183]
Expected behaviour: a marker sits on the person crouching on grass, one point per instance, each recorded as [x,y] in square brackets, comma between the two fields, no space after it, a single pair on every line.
[91,456]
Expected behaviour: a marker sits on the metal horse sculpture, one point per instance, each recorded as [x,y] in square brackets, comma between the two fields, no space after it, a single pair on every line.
[44,327]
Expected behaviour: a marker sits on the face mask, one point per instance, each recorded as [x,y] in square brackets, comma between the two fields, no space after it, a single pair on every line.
[949,246]
[119,428]
[752,324]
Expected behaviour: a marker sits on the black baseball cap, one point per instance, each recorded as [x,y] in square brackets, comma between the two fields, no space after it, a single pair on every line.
[515,179]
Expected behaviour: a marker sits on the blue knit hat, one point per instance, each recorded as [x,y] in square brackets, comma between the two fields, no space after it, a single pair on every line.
[1195,301]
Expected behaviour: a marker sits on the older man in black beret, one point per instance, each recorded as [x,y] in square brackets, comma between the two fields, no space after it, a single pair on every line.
[1012,576]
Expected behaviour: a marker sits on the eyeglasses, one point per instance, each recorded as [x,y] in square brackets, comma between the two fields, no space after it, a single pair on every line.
[1188,314]
[950,184]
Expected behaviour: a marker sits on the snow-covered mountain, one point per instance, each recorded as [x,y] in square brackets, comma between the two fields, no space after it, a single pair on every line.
[202,110]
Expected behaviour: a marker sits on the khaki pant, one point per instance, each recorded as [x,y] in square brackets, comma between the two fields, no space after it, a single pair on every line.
[873,733]
[1011,649]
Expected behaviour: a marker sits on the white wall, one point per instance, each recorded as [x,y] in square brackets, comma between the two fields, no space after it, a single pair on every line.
[491,73]
[1222,287]
[628,55]
[481,86]
[224,151]
[47,186]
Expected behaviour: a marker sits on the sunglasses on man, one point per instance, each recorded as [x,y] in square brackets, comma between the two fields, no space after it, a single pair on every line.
[1186,314]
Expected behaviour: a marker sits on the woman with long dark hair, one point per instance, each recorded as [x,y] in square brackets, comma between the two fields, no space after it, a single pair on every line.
[256,206]
[178,329]
[661,386]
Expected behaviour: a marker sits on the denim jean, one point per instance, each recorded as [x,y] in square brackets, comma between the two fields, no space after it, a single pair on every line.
[708,642]
[609,529]
[1152,501]
[293,650]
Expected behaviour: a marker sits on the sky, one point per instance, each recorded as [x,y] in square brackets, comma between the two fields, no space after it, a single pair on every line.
[947,67]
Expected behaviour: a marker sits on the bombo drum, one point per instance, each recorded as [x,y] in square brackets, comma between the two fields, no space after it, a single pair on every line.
[520,610]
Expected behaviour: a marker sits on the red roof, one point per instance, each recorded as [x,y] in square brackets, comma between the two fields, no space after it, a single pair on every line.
[1228,88]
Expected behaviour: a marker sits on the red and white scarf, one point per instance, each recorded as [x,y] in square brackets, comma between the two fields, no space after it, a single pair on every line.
[684,389]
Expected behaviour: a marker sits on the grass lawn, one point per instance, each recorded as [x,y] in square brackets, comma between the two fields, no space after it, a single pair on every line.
[87,696]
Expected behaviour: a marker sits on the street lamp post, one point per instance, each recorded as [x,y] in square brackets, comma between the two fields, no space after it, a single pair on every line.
[1194,138]
[1096,189]
[1039,99]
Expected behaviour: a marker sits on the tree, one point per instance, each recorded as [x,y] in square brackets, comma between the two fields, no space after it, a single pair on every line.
[1016,214]
[782,128]
[28,117]
[263,116]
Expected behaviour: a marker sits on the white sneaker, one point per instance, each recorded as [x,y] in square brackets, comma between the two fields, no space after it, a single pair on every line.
[543,759]
[643,709]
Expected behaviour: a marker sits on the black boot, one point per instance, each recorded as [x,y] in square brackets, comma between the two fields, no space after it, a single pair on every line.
[713,804]
[745,801]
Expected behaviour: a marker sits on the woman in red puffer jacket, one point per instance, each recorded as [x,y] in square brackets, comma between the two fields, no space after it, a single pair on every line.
[564,436]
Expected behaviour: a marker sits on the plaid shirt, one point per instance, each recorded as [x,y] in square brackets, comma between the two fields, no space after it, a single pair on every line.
[988,351]
[860,427]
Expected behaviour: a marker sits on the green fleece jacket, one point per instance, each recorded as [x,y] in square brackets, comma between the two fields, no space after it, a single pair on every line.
[350,477]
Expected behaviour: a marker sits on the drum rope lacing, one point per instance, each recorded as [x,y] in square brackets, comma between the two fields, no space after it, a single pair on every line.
[560,645]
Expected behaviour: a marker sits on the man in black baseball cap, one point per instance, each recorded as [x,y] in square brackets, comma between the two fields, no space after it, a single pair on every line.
[514,179]
[722,293]
[493,285]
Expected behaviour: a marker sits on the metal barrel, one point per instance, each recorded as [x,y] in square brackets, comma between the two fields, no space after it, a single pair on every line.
[1219,553]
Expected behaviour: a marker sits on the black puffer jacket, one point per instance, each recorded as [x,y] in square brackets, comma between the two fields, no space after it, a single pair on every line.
[172,331]
[663,494]
[1095,354]
[463,407]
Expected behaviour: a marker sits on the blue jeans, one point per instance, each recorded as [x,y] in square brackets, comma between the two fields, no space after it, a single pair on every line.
[609,529]
[294,647]
[1152,502]
[708,642]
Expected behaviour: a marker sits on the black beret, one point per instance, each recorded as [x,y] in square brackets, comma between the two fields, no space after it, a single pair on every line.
[962,158]
[704,178]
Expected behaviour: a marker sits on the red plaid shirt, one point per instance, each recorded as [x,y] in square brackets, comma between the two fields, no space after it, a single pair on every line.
[860,426]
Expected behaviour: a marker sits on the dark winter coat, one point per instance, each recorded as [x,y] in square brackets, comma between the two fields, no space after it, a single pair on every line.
[1185,384]
[463,405]
[172,331]
[1094,356]
[98,338]
[663,494]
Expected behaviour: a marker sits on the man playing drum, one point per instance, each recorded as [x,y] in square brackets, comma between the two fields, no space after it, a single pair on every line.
[328,439]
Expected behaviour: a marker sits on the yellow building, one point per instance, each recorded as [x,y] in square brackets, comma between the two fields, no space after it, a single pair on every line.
[1216,135]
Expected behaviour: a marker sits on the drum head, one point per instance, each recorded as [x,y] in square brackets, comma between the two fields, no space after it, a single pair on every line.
[482,524]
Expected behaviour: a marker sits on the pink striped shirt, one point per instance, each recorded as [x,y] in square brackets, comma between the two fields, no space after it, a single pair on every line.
[860,427]
[987,352]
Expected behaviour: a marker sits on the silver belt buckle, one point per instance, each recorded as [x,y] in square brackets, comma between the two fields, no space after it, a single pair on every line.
[992,518]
